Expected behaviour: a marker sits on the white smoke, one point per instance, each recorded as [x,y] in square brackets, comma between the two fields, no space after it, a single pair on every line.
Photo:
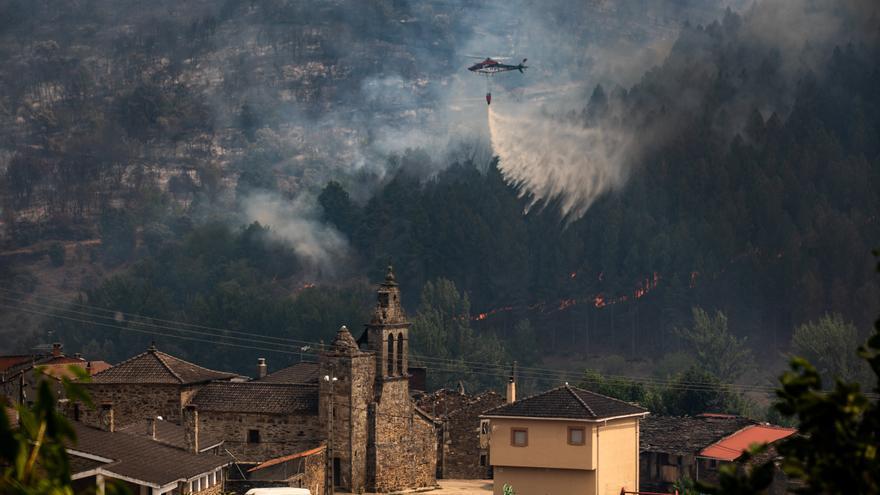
[318,246]
[549,159]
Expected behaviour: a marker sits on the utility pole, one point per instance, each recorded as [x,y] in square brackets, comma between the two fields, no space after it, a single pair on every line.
[331,380]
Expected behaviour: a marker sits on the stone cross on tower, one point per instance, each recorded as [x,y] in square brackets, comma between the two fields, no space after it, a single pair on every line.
[388,332]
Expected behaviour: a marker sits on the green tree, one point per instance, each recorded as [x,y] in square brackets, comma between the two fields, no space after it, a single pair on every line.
[56,254]
[836,448]
[718,351]
[442,330]
[827,344]
[33,456]
[525,342]
[117,235]
[619,388]
[698,391]
[338,207]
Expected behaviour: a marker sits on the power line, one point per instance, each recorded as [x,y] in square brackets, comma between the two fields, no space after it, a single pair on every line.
[534,372]
[449,365]
[131,315]
[441,364]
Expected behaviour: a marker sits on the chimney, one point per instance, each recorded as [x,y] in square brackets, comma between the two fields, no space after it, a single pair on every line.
[56,349]
[511,386]
[151,427]
[262,369]
[107,423]
[191,428]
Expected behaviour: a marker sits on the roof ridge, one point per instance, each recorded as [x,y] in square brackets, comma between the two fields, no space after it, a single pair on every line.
[120,363]
[190,363]
[262,383]
[159,355]
[581,401]
[524,398]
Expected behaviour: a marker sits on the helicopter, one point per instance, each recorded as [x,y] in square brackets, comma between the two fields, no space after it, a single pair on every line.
[491,66]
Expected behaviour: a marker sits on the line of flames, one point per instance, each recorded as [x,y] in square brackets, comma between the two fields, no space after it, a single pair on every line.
[599,300]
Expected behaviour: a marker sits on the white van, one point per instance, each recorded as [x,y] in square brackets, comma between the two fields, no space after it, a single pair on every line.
[278,491]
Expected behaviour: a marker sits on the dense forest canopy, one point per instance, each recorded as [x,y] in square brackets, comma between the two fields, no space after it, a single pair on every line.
[253,167]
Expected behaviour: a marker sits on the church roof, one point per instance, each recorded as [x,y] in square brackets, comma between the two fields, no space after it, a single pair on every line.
[156,367]
[304,372]
[569,403]
[257,397]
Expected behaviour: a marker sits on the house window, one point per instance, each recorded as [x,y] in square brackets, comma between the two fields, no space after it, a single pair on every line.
[576,435]
[519,437]
[483,459]
[253,436]
[484,427]
[713,464]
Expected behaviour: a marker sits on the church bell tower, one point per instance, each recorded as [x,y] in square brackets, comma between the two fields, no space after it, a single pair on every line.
[387,333]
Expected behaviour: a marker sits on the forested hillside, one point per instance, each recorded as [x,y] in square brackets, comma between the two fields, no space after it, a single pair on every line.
[162,138]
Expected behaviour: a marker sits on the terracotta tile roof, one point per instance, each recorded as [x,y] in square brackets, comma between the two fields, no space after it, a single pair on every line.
[279,460]
[686,435]
[143,459]
[258,397]
[170,434]
[304,372]
[567,402]
[157,367]
[7,362]
[732,446]
[61,368]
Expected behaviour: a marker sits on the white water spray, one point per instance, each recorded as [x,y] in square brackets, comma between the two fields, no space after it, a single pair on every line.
[549,159]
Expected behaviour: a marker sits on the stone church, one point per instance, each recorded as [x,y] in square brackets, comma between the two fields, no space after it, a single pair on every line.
[355,400]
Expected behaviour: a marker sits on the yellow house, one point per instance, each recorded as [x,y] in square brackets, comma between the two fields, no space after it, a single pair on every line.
[566,441]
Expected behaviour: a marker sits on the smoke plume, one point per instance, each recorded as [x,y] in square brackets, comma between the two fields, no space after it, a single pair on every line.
[320,248]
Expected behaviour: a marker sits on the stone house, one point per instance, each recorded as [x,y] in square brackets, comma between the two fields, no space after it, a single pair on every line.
[669,445]
[460,452]
[730,450]
[150,385]
[255,420]
[674,448]
[19,374]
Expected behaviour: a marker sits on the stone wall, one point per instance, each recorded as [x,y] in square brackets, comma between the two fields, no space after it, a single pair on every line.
[279,435]
[352,394]
[404,442]
[132,403]
[458,436]
[460,454]
[314,473]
